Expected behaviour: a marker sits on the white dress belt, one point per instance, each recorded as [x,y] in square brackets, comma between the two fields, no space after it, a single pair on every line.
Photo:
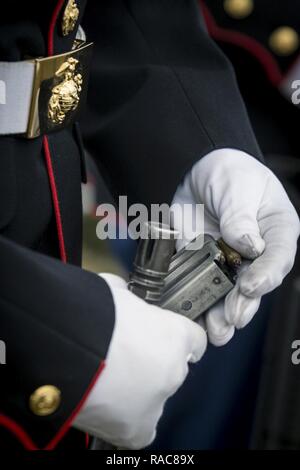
[16,83]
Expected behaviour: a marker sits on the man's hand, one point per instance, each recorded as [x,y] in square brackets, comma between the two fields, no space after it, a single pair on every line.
[247,206]
[147,362]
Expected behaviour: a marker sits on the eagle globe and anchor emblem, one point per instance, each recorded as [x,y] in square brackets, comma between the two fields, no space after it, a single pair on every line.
[66,95]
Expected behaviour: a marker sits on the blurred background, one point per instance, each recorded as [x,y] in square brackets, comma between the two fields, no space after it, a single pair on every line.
[113,256]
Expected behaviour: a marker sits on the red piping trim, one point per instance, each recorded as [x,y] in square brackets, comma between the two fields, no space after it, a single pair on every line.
[249,44]
[58,219]
[52,25]
[26,440]
[20,434]
[71,418]
[60,233]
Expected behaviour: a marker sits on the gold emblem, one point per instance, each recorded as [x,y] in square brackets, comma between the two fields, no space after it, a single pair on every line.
[70,17]
[45,400]
[284,41]
[238,9]
[66,95]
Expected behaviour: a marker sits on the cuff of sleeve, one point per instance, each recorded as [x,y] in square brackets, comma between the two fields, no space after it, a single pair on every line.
[18,432]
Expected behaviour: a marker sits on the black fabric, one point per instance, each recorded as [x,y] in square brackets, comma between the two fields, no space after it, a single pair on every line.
[56,321]
[161,96]
[67,170]
[274,118]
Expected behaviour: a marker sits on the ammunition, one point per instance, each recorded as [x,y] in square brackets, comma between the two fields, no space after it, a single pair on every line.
[233,258]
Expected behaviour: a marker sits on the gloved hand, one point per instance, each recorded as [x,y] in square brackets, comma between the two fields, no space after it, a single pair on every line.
[147,362]
[246,205]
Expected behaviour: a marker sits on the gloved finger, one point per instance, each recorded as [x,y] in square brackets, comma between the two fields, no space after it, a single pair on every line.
[219,331]
[114,281]
[280,231]
[143,441]
[239,309]
[240,230]
[196,341]
[233,196]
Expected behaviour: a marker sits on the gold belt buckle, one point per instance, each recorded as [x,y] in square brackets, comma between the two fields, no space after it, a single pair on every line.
[59,90]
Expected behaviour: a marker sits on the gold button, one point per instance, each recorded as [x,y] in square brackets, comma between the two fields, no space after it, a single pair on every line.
[45,400]
[70,17]
[238,9]
[284,41]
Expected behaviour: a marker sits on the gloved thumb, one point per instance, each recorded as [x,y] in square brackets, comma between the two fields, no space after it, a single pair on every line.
[241,232]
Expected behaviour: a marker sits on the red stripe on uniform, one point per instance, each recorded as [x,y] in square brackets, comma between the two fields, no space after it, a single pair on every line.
[51,176]
[52,182]
[18,432]
[71,418]
[50,46]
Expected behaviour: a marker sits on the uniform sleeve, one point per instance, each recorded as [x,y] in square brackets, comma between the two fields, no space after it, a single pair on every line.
[55,336]
[161,96]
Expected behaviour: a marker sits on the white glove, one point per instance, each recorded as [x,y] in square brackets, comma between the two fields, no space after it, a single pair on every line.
[146,363]
[245,204]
